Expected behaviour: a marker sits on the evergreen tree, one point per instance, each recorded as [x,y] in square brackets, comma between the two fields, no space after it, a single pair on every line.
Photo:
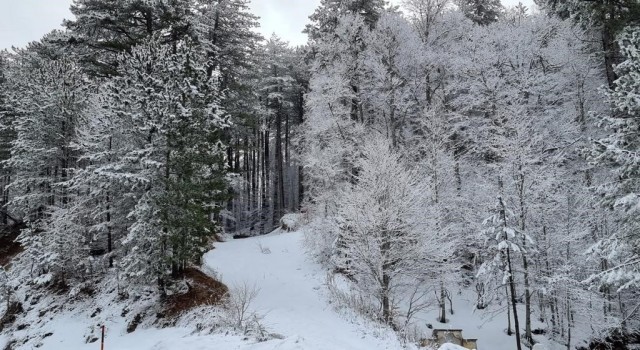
[482,12]
[47,97]
[169,157]
[606,18]
[102,29]
[324,19]
[6,137]
[226,30]
[619,152]
[276,90]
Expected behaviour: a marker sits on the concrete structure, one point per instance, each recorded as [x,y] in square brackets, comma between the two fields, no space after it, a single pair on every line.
[453,336]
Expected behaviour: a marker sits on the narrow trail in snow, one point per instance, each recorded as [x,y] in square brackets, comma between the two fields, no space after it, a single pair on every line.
[291,293]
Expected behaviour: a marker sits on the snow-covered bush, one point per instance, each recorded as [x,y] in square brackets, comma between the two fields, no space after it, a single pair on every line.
[238,307]
[319,238]
[291,222]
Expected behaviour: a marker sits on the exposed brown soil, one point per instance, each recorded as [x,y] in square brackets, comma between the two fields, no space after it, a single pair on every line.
[9,248]
[203,290]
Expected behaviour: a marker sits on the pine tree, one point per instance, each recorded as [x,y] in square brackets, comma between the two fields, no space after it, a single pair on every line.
[619,151]
[481,12]
[47,97]
[276,90]
[166,163]
[225,28]
[324,19]
[102,29]
[606,18]
[6,137]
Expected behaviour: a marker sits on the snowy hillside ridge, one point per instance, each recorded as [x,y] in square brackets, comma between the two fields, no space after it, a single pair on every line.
[51,318]
[488,325]
[281,298]
[285,306]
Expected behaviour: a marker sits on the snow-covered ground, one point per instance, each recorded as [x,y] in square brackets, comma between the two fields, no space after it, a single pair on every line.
[68,334]
[292,301]
[292,297]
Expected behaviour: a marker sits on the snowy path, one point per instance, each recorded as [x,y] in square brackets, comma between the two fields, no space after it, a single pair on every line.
[291,295]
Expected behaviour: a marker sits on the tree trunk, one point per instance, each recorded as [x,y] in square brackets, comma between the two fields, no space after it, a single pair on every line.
[386,281]
[267,182]
[301,187]
[509,330]
[609,45]
[512,289]
[386,304]
[443,304]
[108,199]
[247,175]
[254,178]
[263,182]
[512,286]
[525,263]
[569,321]
[279,174]
[5,198]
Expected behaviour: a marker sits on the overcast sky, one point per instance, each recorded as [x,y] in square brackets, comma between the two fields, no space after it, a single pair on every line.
[22,21]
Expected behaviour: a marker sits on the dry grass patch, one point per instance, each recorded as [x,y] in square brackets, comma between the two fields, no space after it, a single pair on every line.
[203,291]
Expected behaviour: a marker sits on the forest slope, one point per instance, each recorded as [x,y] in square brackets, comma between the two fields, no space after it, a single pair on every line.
[291,294]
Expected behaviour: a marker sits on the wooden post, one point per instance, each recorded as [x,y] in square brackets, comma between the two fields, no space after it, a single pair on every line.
[102,342]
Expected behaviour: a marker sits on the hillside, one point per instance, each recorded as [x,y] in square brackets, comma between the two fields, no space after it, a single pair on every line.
[292,304]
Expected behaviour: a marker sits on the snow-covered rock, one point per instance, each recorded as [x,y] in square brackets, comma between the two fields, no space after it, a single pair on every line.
[539,347]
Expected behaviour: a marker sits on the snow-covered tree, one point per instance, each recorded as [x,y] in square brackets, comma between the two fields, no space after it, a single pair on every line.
[605,18]
[6,136]
[101,30]
[424,14]
[154,159]
[482,12]
[335,114]
[505,240]
[392,64]
[325,18]
[47,97]
[388,244]
[225,29]
[619,152]
[520,94]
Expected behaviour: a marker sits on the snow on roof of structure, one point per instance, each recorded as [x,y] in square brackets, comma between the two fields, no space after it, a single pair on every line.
[449,346]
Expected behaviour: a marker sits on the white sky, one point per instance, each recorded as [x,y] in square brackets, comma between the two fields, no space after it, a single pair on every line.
[22,21]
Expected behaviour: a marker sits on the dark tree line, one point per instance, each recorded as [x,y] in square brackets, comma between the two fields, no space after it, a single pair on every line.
[135,136]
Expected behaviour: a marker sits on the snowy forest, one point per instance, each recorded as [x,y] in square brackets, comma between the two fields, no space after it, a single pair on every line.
[427,150]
